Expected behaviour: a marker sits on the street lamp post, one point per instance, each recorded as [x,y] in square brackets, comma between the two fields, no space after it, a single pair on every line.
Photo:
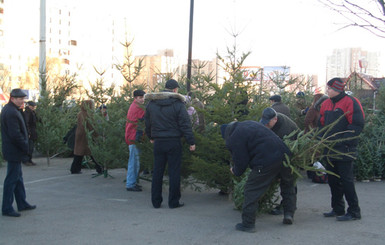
[190,46]
[42,51]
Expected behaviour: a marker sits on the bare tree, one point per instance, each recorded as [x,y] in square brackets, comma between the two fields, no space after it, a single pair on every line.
[368,14]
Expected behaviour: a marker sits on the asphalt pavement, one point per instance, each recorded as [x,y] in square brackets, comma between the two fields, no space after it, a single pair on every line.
[80,209]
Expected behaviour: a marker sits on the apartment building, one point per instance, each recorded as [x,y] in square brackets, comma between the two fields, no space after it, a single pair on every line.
[342,62]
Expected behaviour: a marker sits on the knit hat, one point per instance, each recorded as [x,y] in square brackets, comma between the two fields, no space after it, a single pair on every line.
[336,84]
[139,92]
[171,84]
[31,103]
[268,114]
[276,98]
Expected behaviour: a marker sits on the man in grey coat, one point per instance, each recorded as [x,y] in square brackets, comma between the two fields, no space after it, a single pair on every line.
[14,136]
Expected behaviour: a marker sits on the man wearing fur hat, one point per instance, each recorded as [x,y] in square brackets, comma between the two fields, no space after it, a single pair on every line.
[167,121]
[352,122]
[14,136]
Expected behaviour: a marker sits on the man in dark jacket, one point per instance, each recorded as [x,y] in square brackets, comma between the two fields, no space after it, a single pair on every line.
[278,106]
[282,126]
[14,136]
[279,123]
[30,121]
[351,124]
[167,121]
[255,146]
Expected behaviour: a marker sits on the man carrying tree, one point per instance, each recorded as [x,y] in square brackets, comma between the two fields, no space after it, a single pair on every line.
[134,114]
[255,146]
[282,126]
[348,111]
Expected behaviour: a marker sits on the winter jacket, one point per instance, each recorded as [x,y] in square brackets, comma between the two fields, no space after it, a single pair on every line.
[311,118]
[14,134]
[81,141]
[166,117]
[282,108]
[252,144]
[135,112]
[354,119]
[284,126]
[30,121]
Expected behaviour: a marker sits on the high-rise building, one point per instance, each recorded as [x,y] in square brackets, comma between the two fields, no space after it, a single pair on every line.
[74,43]
[342,62]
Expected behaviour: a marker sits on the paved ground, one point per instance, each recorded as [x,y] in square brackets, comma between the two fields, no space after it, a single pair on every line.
[79,209]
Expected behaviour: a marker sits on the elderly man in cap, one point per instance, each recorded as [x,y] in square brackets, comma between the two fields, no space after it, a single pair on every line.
[14,136]
[282,126]
[255,146]
[278,106]
[349,109]
[167,121]
[30,121]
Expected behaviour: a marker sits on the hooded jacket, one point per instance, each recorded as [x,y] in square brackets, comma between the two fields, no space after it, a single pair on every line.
[166,117]
[252,144]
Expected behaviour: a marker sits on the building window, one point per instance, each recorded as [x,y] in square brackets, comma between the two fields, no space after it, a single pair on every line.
[1,11]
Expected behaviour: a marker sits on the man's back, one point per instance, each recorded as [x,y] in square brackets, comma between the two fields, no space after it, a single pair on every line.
[166,117]
[284,126]
[281,108]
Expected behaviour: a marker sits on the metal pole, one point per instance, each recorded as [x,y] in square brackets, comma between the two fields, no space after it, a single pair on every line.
[42,52]
[190,46]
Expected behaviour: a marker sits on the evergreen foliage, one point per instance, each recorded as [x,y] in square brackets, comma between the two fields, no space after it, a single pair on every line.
[55,118]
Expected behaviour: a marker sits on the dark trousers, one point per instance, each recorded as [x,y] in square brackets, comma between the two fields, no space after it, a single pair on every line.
[258,182]
[76,166]
[166,152]
[13,188]
[343,186]
[31,146]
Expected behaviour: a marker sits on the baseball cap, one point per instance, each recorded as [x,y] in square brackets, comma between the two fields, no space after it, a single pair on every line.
[268,114]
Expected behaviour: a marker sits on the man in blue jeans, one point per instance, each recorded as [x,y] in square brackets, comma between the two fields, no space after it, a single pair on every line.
[134,114]
[167,121]
[14,136]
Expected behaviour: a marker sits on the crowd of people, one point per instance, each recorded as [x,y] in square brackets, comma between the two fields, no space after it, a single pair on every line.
[169,116]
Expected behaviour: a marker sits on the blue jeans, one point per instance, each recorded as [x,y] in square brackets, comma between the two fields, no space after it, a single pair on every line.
[13,188]
[133,166]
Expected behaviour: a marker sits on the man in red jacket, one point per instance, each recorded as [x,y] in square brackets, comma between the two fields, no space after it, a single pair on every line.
[134,114]
[349,109]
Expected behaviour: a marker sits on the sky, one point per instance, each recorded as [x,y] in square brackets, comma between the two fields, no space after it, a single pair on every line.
[295,33]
